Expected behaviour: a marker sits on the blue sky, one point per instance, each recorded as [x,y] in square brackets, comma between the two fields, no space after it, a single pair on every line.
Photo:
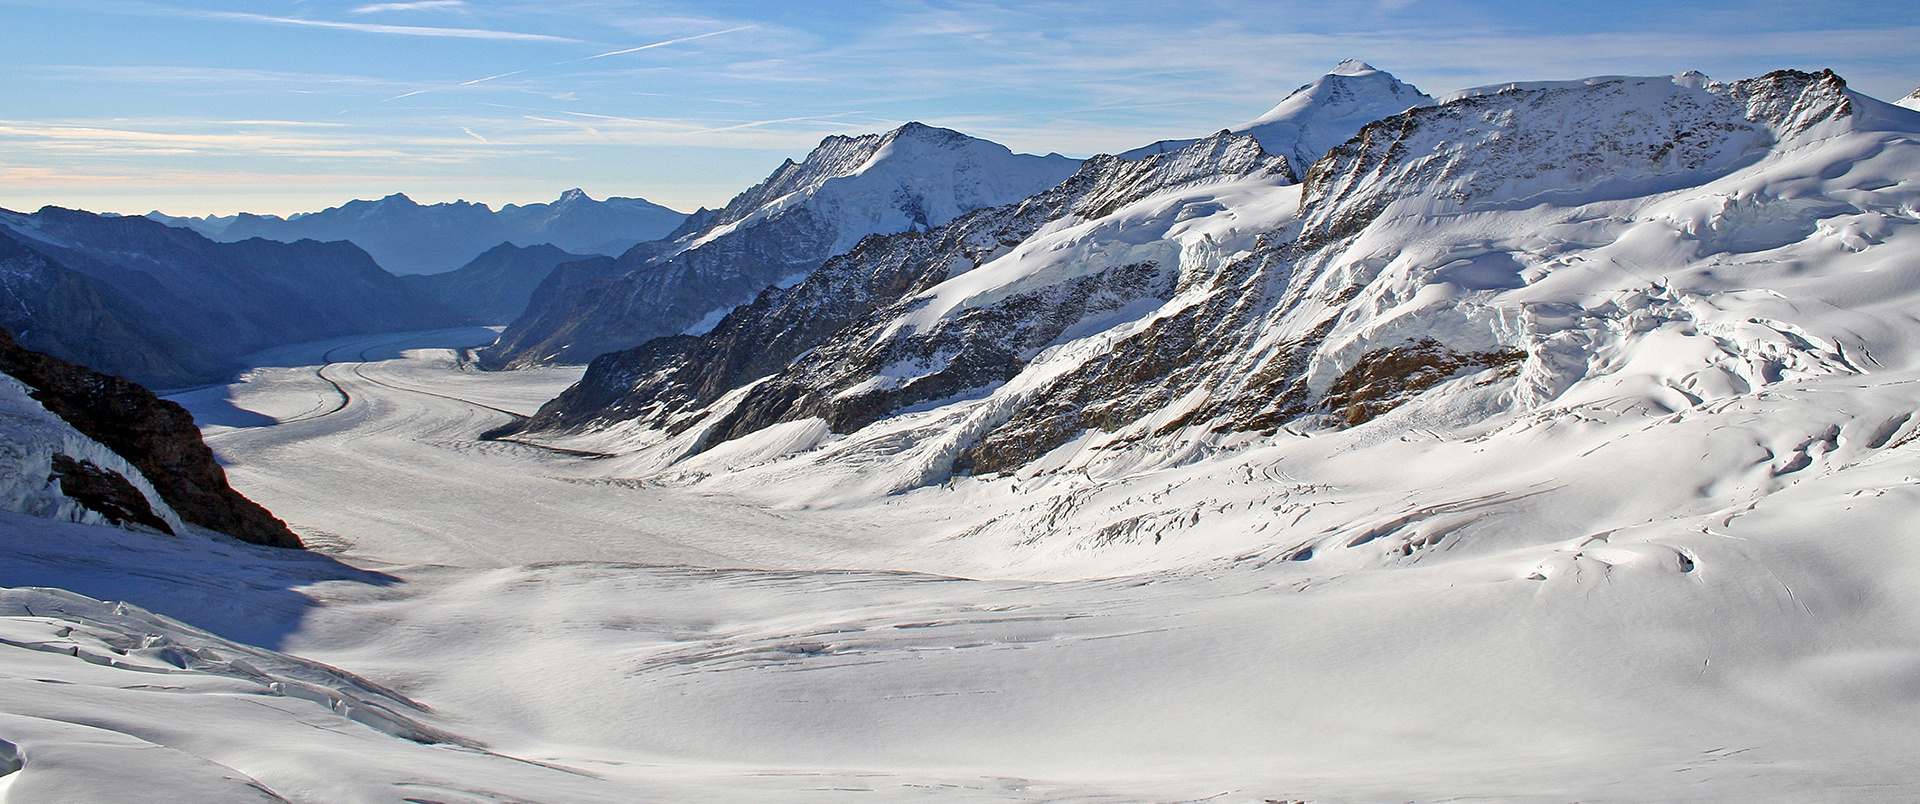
[209,106]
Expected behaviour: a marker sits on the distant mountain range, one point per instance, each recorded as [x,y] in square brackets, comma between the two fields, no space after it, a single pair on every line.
[167,307]
[405,237]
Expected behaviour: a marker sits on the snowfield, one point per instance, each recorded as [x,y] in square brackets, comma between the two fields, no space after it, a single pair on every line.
[605,640]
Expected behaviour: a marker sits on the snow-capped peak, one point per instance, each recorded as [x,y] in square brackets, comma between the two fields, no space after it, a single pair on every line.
[1911,101]
[913,176]
[1318,116]
[575,195]
[1354,67]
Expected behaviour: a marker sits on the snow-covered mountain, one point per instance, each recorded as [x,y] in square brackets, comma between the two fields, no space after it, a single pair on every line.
[914,177]
[1911,101]
[1553,441]
[167,306]
[410,238]
[1512,256]
[1318,116]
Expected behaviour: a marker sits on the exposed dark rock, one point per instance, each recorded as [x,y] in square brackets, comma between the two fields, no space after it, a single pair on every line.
[155,435]
[1385,378]
[830,332]
[105,492]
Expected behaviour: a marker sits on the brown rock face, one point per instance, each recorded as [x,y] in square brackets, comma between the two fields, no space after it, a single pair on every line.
[157,436]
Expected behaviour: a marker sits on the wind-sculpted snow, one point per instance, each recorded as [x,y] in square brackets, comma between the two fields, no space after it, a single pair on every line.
[913,178]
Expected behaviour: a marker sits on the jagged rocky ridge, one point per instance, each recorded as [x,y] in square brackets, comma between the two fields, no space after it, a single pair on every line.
[1406,263]
[169,307]
[915,177]
[407,237]
[132,442]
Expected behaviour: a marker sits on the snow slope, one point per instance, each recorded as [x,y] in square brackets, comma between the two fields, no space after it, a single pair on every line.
[1316,117]
[775,233]
[581,663]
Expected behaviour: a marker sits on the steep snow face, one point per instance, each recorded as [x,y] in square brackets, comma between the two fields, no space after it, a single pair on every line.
[1329,111]
[915,177]
[1318,116]
[1911,101]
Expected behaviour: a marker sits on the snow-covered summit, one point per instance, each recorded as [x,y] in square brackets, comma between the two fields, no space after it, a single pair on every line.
[913,176]
[1320,115]
[1911,101]
[1329,111]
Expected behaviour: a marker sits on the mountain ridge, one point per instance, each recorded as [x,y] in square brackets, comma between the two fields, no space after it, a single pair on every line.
[777,231]
[407,237]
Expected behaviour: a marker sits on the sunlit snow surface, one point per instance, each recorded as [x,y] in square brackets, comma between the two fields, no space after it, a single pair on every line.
[576,637]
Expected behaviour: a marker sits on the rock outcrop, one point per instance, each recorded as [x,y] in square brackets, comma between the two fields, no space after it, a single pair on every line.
[155,436]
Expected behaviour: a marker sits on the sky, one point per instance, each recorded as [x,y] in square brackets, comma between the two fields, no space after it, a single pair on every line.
[197,107]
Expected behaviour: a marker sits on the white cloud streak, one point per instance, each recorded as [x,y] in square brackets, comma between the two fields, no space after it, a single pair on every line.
[659,44]
[422,5]
[403,30]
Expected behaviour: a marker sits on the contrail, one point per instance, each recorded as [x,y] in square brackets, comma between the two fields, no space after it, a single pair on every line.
[489,78]
[660,44]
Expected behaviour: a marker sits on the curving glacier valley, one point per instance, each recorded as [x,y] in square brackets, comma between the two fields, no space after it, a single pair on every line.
[1542,443]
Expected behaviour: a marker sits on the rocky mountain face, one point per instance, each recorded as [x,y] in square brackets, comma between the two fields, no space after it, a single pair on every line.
[168,306]
[826,340]
[116,454]
[913,178]
[1318,116]
[61,311]
[410,238]
[495,287]
[1491,252]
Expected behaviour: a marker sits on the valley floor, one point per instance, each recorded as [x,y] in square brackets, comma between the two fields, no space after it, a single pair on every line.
[550,630]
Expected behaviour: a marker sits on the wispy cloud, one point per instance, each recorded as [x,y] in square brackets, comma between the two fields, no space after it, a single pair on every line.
[421,5]
[660,44]
[403,30]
